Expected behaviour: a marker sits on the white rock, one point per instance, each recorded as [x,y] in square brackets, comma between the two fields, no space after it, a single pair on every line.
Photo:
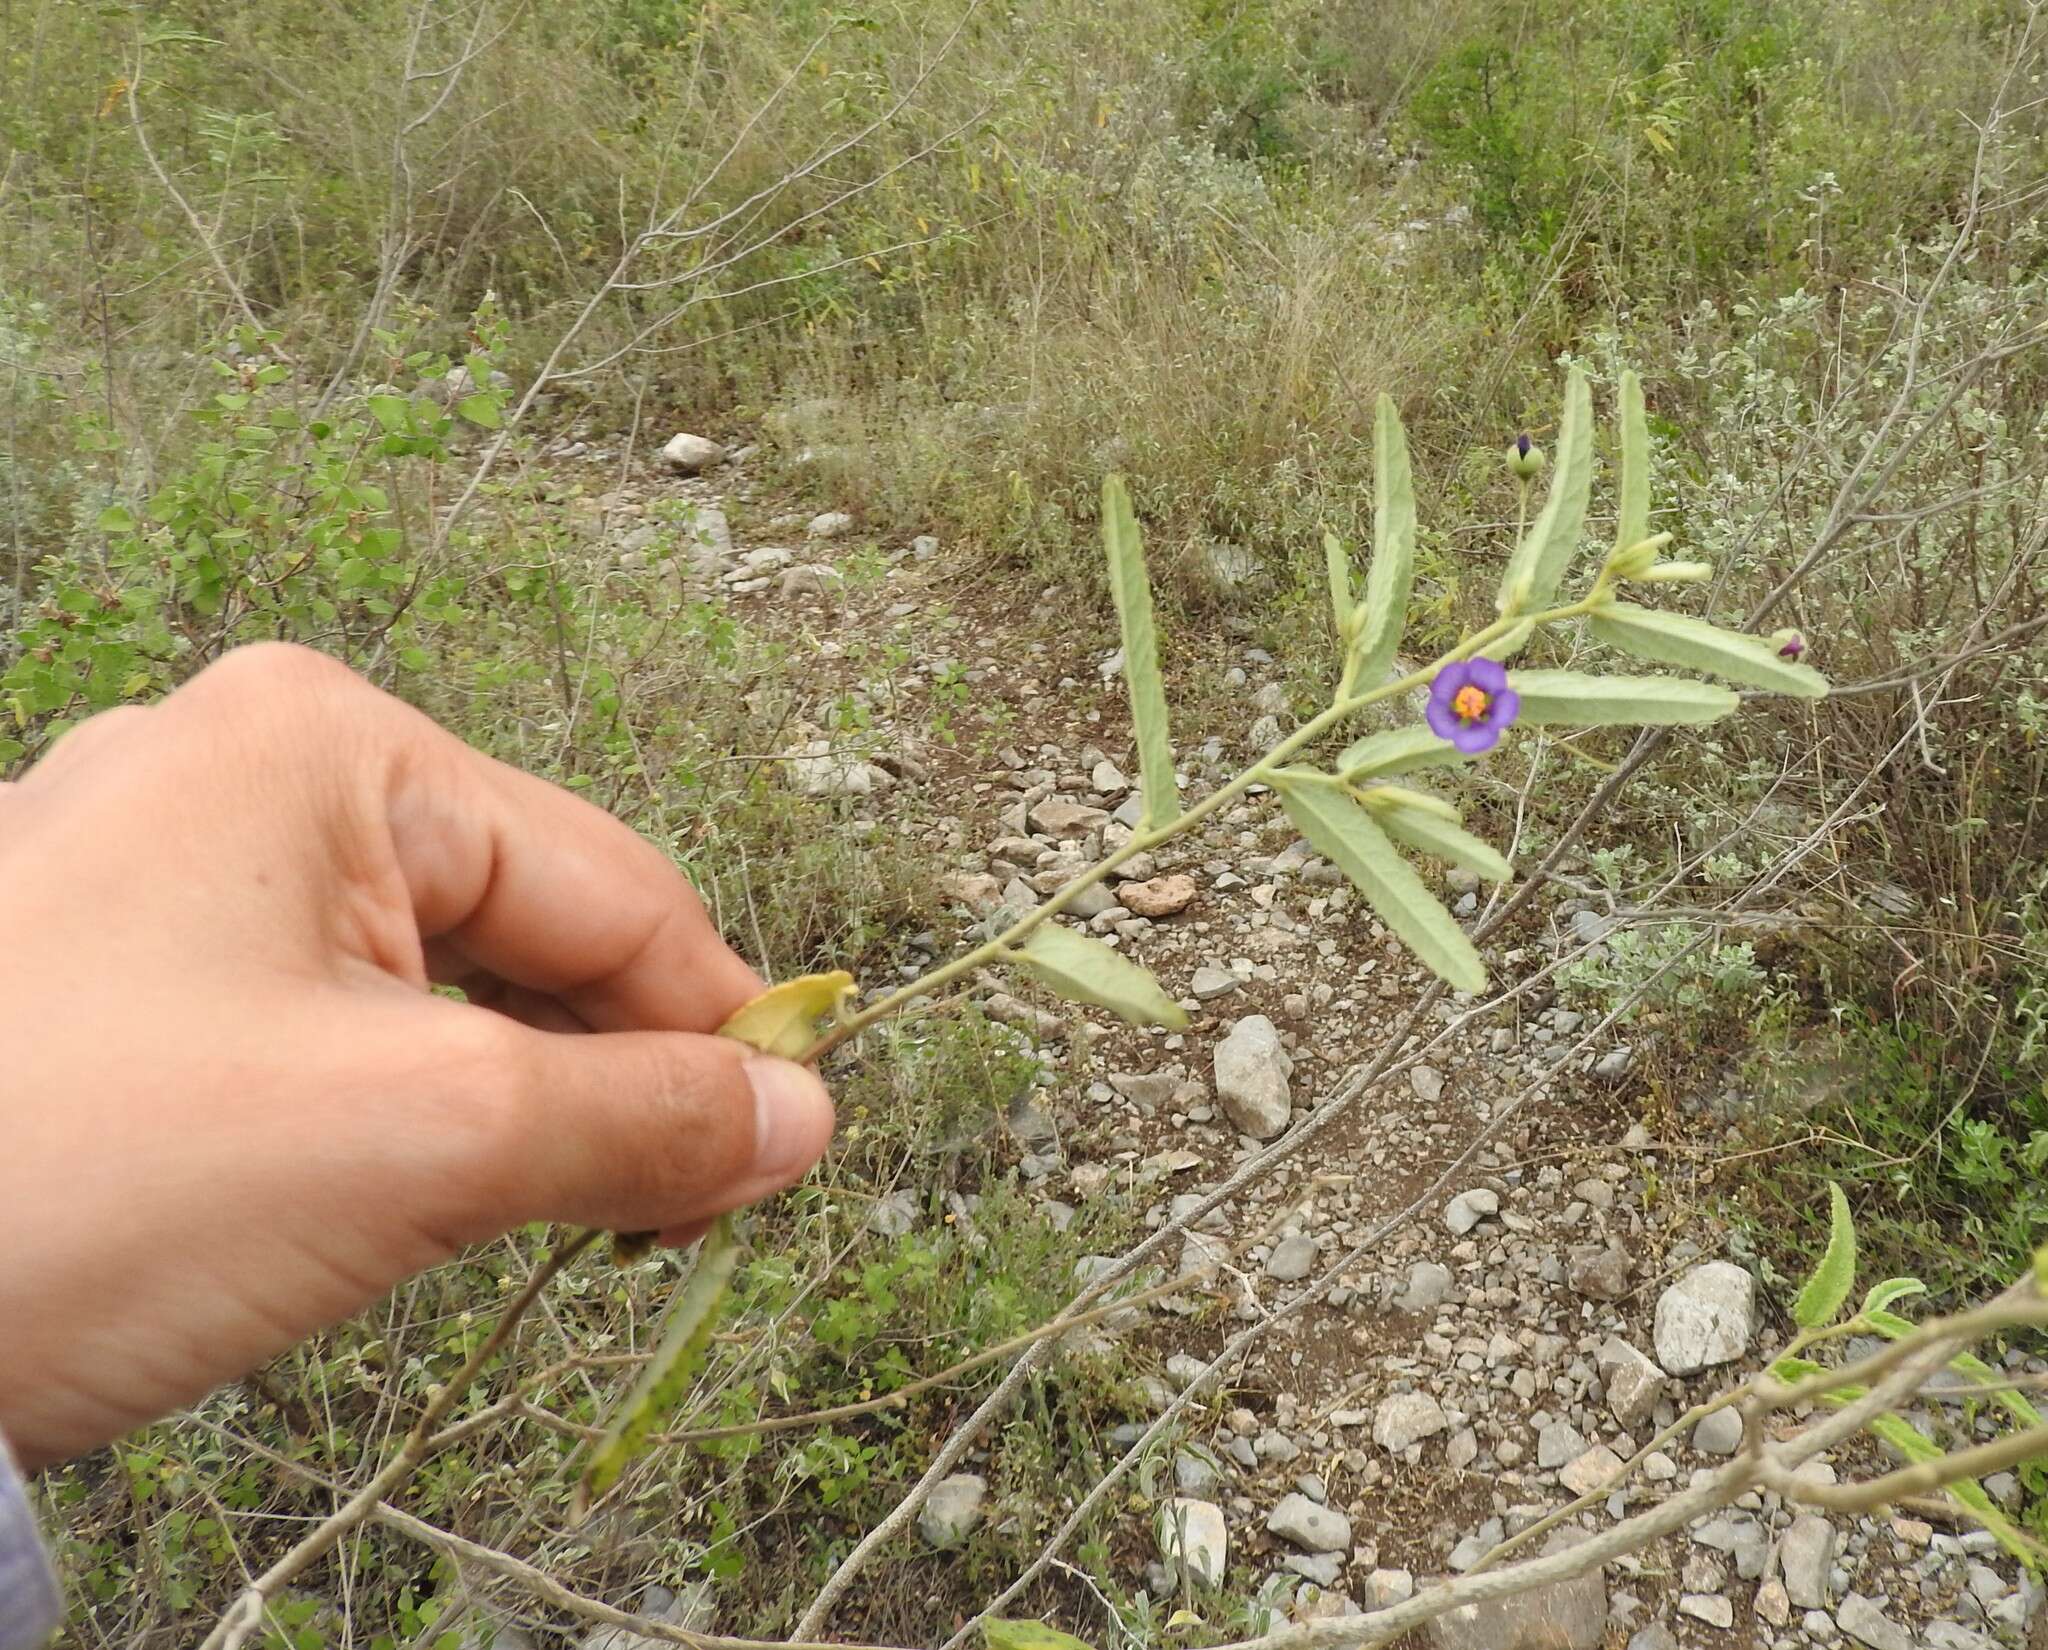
[1429,1282]
[1719,1433]
[1705,1318]
[1293,1258]
[1634,1384]
[1407,1418]
[1805,1556]
[1710,1608]
[1558,1443]
[1864,1620]
[1252,1070]
[1385,1587]
[1468,1209]
[691,455]
[1193,1534]
[828,524]
[1427,1082]
[955,1510]
[1314,1529]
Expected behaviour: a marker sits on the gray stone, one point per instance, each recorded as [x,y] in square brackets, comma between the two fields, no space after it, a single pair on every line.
[1385,1587]
[1468,1209]
[1293,1258]
[1805,1557]
[1210,983]
[1429,1283]
[1407,1418]
[1058,817]
[1193,1538]
[1634,1384]
[1719,1433]
[1558,1443]
[1710,1608]
[1598,1270]
[955,1510]
[1586,1473]
[1312,1528]
[812,579]
[1321,1568]
[1427,1082]
[893,1215]
[1864,1620]
[1614,1065]
[829,524]
[1566,1615]
[1252,1070]
[1656,1636]
[1197,1472]
[1705,1318]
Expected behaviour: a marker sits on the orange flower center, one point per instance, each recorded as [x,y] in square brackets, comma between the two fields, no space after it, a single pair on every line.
[1469,703]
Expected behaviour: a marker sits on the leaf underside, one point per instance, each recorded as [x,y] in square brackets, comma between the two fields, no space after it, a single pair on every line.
[1132,591]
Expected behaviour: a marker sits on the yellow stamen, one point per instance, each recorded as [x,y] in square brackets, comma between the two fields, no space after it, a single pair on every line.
[1470,703]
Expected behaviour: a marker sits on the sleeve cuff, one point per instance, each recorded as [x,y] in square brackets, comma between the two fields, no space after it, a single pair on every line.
[30,1608]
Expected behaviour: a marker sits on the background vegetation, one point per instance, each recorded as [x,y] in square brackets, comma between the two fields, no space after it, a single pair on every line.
[948,262]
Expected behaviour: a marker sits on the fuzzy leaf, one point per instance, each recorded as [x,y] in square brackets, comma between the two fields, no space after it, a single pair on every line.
[392,412]
[1440,839]
[783,1019]
[1574,699]
[1975,1369]
[1027,1635]
[1086,971]
[1397,751]
[1678,639]
[1828,1288]
[1342,607]
[481,410]
[1918,1449]
[669,1372]
[1634,524]
[1392,573]
[1883,1294]
[1133,593]
[1344,832]
[1539,560]
[1794,1370]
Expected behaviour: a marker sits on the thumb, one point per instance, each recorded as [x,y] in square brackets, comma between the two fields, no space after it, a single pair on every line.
[658,1130]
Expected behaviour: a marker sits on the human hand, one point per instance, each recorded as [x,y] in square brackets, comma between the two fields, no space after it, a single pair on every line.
[230,1110]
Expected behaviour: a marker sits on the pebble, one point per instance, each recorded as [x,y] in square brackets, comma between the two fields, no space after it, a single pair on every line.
[1719,1433]
[1710,1608]
[1293,1258]
[691,455]
[828,524]
[1468,1209]
[1252,1071]
[1312,1528]
[1407,1418]
[1705,1318]
[1192,1534]
[1864,1620]
[1162,897]
[1429,1284]
[954,1512]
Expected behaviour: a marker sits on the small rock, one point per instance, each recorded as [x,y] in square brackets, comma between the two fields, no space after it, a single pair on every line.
[1192,1535]
[1805,1557]
[1634,1384]
[1293,1258]
[924,547]
[1427,1082]
[1614,1065]
[1161,897]
[1656,1636]
[1108,778]
[1211,983]
[1468,1209]
[1773,1604]
[1558,1443]
[1252,1071]
[1196,1472]
[1710,1608]
[1705,1318]
[1719,1433]
[893,1215]
[1598,1270]
[1312,1528]
[1429,1283]
[955,1510]
[811,580]
[1407,1418]
[829,524]
[1058,817]
[1385,1587]
[1586,1473]
[691,455]
[1864,1620]
[1321,1568]
[1566,1615]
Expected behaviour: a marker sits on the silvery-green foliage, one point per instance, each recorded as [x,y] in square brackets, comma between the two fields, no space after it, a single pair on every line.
[1354,815]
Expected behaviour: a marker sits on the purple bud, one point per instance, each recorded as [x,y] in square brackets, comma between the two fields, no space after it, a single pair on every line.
[1790,643]
[1522,444]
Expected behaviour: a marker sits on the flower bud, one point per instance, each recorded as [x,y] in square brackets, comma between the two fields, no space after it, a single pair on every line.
[1679,572]
[1637,560]
[1789,644]
[1525,459]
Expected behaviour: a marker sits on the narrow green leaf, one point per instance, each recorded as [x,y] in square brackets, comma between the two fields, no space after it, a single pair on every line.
[1428,833]
[481,410]
[1883,1294]
[1397,751]
[1794,1370]
[1828,1288]
[1634,525]
[1393,799]
[1086,971]
[1027,1635]
[1539,560]
[1918,1449]
[1392,573]
[1974,1369]
[1574,699]
[1678,639]
[669,1372]
[1133,592]
[1344,833]
[1888,1324]
[1342,607]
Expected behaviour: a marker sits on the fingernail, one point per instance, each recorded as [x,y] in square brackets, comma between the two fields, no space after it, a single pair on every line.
[792,1118]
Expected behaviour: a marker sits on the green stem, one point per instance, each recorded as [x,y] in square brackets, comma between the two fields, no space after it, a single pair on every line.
[1346,704]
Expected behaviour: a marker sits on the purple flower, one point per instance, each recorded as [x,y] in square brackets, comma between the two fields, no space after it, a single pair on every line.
[1470,703]
[1789,643]
[1522,444]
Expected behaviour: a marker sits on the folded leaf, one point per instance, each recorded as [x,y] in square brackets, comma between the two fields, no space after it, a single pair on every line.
[669,1372]
[1393,799]
[1338,560]
[1344,833]
[1634,523]
[1539,560]
[783,1019]
[1440,839]
[1132,590]
[1388,580]
[1397,751]
[1822,1298]
[1086,971]
[1883,1294]
[1574,699]
[1678,639]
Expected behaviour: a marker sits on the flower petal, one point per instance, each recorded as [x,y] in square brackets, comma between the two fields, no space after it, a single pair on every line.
[1476,737]
[1506,706]
[1443,721]
[1489,675]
